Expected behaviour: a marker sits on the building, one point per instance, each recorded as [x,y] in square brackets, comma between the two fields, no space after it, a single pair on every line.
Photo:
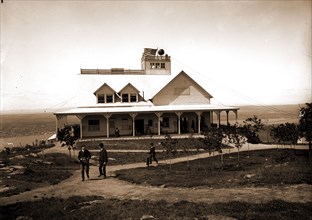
[149,101]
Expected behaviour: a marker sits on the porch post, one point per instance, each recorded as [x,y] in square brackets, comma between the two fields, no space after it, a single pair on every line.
[209,120]
[107,116]
[198,120]
[236,113]
[227,117]
[80,118]
[133,115]
[58,118]
[179,123]
[218,118]
[158,114]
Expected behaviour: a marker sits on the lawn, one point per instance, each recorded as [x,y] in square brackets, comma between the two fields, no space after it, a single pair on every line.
[258,168]
[95,207]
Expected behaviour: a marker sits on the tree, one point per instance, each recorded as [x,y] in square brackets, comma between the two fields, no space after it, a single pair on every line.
[213,141]
[305,126]
[236,136]
[251,128]
[170,147]
[68,135]
[285,133]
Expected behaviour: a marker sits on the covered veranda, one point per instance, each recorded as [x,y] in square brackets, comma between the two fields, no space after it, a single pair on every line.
[198,117]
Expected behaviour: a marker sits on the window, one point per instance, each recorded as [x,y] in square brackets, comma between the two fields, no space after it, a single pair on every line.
[112,123]
[94,125]
[152,65]
[101,98]
[133,97]
[182,91]
[163,66]
[125,98]
[109,98]
[157,65]
[165,122]
[124,123]
[150,123]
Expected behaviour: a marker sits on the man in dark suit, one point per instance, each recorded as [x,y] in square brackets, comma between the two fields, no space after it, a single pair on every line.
[102,160]
[84,157]
[152,154]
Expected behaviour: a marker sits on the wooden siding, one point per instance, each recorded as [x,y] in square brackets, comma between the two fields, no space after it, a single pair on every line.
[181,90]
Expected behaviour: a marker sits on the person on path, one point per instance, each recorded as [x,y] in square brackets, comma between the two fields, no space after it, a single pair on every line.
[102,160]
[84,157]
[152,155]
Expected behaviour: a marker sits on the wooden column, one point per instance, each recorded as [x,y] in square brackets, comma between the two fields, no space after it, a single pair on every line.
[218,118]
[59,119]
[80,118]
[179,121]
[198,120]
[158,114]
[236,117]
[227,117]
[133,115]
[107,116]
[209,120]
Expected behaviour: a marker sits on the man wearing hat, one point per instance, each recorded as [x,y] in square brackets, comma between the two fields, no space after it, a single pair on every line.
[102,160]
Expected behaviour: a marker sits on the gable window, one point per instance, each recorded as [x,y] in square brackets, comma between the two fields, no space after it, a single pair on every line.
[109,98]
[125,98]
[162,66]
[94,125]
[182,91]
[101,98]
[133,97]
[165,122]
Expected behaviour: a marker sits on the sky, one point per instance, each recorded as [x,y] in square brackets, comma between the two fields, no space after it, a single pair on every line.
[244,52]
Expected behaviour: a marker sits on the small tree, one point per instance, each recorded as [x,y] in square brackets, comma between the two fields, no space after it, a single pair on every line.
[170,147]
[251,128]
[236,136]
[305,126]
[213,141]
[68,135]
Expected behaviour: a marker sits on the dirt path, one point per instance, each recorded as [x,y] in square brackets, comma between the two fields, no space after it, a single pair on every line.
[115,188]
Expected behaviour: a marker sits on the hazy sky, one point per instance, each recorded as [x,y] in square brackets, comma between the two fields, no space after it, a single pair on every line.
[246,52]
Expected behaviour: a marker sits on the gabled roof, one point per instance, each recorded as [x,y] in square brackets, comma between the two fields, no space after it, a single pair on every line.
[104,85]
[130,85]
[202,90]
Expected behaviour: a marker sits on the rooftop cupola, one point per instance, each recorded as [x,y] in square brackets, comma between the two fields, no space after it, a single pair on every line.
[155,62]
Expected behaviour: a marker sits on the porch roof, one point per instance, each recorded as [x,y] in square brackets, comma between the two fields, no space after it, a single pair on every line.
[145,109]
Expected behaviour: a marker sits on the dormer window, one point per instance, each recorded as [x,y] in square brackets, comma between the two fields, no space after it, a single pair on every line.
[101,98]
[125,97]
[109,98]
[133,97]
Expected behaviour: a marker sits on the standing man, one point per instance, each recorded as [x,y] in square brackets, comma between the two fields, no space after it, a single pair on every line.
[102,160]
[152,154]
[84,157]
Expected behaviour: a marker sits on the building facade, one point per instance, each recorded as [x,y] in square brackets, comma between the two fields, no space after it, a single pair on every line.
[150,102]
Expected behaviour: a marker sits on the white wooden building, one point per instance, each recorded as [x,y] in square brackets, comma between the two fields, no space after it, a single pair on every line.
[149,101]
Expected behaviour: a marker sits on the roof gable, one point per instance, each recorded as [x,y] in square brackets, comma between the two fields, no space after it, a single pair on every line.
[181,89]
[129,86]
[104,88]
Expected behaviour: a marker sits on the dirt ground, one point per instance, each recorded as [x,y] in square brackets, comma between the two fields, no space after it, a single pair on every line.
[66,197]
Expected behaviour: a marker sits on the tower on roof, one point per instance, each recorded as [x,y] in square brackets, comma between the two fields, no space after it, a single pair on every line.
[155,62]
